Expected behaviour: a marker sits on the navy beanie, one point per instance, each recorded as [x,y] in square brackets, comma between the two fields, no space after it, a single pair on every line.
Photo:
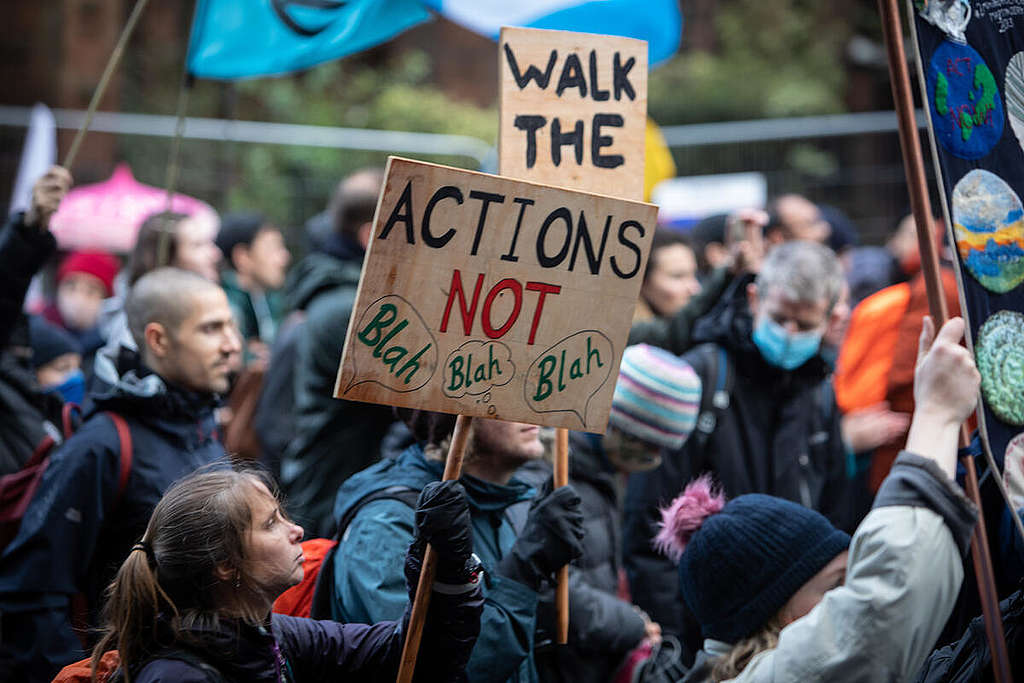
[744,562]
[49,341]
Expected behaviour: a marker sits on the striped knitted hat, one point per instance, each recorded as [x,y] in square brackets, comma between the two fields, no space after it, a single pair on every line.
[657,396]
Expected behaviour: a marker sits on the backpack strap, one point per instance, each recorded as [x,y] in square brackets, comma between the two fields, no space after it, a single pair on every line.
[323,589]
[716,370]
[70,414]
[124,438]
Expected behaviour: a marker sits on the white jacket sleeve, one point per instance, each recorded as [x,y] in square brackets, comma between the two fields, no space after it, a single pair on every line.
[904,573]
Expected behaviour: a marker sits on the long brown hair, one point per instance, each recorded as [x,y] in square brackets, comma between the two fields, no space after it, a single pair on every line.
[158,233]
[201,524]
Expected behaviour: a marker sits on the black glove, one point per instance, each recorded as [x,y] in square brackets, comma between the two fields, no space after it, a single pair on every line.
[443,521]
[551,539]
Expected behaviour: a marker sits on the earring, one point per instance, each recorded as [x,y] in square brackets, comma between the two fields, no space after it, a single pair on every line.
[238,580]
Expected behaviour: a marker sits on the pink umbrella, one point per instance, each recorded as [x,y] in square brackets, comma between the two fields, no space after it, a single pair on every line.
[107,215]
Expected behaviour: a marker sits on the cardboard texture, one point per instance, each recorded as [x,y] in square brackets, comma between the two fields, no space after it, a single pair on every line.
[573,110]
[494,297]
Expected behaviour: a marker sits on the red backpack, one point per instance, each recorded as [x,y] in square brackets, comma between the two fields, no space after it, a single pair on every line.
[17,489]
[81,671]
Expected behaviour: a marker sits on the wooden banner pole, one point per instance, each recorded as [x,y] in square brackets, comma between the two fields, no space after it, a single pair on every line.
[411,647]
[562,589]
[913,163]
[101,88]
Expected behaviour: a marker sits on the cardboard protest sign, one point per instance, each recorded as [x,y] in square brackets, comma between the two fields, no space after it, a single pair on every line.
[493,297]
[573,109]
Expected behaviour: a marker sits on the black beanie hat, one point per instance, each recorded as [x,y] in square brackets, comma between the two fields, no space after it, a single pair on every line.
[49,341]
[743,560]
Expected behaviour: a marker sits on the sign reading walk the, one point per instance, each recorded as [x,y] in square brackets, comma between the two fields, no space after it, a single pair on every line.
[487,296]
[573,109]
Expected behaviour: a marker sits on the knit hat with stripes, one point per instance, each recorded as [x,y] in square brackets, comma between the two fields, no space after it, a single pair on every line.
[657,396]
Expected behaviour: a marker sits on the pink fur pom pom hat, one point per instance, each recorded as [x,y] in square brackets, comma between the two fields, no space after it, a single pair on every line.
[740,561]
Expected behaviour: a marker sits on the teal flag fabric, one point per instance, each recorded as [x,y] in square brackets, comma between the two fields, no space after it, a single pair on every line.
[234,39]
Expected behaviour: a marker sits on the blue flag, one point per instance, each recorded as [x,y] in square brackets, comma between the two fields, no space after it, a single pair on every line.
[659,22]
[243,38]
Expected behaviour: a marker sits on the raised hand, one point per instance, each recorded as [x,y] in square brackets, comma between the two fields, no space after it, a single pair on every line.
[47,194]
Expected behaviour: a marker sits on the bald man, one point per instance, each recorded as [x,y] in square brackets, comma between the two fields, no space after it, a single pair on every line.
[794,217]
[89,508]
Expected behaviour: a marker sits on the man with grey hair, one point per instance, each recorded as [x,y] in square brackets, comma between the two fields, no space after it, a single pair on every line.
[151,424]
[767,422]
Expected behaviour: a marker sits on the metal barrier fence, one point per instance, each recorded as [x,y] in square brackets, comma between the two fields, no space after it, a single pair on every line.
[851,161]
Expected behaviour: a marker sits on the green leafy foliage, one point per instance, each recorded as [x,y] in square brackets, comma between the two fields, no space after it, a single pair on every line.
[772,58]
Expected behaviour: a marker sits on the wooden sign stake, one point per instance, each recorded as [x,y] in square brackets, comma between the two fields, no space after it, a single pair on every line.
[913,162]
[421,603]
[562,590]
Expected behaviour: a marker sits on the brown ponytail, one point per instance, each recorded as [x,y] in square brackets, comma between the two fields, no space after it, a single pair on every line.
[167,589]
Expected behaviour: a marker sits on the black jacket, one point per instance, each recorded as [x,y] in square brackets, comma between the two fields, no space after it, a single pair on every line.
[969,659]
[334,439]
[275,417]
[779,435]
[75,533]
[324,650]
[26,414]
[602,628]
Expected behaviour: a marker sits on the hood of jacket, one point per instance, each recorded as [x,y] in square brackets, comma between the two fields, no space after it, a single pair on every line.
[414,470]
[239,651]
[127,386]
[731,325]
[339,264]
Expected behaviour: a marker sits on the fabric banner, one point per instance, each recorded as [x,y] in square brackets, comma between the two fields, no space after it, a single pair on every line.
[972,55]
[659,22]
[233,39]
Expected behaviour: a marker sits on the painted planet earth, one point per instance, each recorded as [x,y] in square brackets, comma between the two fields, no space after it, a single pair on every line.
[988,223]
[966,109]
[1000,356]
[1013,86]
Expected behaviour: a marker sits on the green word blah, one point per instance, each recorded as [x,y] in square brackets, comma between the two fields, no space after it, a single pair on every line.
[464,373]
[373,335]
[566,369]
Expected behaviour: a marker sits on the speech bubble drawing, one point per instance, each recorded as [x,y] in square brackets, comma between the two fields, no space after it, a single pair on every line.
[566,376]
[476,367]
[392,346]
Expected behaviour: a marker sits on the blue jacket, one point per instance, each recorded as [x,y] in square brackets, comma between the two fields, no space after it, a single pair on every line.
[75,534]
[368,581]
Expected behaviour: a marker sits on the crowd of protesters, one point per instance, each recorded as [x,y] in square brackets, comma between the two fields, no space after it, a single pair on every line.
[775,497]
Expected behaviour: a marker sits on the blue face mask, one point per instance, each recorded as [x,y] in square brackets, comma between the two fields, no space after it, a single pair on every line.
[782,349]
[72,389]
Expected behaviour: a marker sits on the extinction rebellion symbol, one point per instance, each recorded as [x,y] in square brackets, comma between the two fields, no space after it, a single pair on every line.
[281,7]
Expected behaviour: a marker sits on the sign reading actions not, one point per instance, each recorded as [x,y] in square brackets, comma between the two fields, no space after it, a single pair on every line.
[493,297]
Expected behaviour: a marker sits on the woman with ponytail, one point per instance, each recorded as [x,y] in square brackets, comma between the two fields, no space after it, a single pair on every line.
[192,602]
[781,595]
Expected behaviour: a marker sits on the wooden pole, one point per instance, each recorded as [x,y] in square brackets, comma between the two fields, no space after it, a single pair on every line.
[411,647]
[101,88]
[913,163]
[562,589]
